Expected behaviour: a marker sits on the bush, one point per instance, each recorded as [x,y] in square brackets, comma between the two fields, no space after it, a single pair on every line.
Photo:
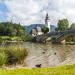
[16,54]
[4,38]
[12,55]
[15,38]
[29,38]
[45,29]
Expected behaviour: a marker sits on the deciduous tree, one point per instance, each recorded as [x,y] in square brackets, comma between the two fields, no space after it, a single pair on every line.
[45,29]
[63,24]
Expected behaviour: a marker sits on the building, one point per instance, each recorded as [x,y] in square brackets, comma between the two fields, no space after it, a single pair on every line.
[47,21]
[38,30]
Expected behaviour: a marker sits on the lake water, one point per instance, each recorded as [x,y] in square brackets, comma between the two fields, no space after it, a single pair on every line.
[49,55]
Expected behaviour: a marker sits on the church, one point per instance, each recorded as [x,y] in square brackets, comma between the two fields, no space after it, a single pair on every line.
[38,30]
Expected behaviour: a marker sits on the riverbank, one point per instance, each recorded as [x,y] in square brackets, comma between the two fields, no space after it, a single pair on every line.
[8,38]
[63,70]
[48,55]
[12,55]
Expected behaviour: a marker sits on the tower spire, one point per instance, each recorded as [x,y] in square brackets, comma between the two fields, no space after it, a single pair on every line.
[47,21]
[47,17]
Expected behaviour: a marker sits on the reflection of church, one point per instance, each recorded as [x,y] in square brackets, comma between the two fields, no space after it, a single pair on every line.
[37,30]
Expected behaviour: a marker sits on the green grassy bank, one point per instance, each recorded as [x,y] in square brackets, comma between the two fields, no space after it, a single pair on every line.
[8,38]
[64,70]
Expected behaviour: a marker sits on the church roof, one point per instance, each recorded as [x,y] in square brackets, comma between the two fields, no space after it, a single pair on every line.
[38,29]
[33,31]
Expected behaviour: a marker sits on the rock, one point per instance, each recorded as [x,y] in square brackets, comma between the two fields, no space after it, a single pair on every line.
[43,52]
[55,53]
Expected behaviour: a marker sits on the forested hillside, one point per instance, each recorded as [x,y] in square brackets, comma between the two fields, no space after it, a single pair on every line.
[11,29]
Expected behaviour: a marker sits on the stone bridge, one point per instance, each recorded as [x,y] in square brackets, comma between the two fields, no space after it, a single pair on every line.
[56,37]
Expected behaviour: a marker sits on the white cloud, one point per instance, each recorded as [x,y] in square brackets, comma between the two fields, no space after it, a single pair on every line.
[33,11]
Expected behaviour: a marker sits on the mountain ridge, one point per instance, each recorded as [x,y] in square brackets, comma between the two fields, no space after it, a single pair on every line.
[30,27]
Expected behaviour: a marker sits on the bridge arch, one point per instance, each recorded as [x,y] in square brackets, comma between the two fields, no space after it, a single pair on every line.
[56,36]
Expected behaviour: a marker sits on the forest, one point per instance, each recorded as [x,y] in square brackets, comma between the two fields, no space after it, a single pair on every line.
[11,29]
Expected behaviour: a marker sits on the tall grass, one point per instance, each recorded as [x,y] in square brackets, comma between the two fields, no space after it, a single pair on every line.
[3,57]
[12,55]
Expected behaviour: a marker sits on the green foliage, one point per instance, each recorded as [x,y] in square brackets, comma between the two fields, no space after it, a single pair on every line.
[62,24]
[11,29]
[16,54]
[72,26]
[72,37]
[8,38]
[30,38]
[3,38]
[12,55]
[64,70]
[3,57]
[45,29]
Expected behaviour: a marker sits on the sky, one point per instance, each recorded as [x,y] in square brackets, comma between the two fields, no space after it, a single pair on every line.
[29,12]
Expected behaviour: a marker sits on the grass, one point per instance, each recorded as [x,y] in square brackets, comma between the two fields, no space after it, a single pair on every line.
[12,55]
[64,70]
[3,57]
[8,38]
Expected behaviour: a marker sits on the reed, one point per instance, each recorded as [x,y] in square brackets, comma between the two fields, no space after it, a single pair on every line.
[13,54]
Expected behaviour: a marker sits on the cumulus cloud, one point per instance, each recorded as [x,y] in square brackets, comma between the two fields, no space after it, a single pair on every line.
[34,11]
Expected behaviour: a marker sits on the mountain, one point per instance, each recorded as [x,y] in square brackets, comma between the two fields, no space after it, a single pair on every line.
[30,27]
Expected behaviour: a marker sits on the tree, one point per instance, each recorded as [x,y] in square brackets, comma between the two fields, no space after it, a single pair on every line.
[72,26]
[63,24]
[11,29]
[72,37]
[45,29]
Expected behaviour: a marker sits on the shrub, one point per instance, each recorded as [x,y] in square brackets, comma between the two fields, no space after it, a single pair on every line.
[12,55]
[29,38]
[45,29]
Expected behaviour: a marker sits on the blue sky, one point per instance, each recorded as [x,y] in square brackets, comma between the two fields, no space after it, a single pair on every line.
[34,11]
[3,11]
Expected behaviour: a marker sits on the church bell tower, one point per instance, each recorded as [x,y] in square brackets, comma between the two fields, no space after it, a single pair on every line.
[47,21]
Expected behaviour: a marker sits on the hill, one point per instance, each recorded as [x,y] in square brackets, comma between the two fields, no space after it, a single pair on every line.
[11,29]
[30,27]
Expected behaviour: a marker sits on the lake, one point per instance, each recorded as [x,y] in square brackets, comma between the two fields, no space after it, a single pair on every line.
[49,55]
